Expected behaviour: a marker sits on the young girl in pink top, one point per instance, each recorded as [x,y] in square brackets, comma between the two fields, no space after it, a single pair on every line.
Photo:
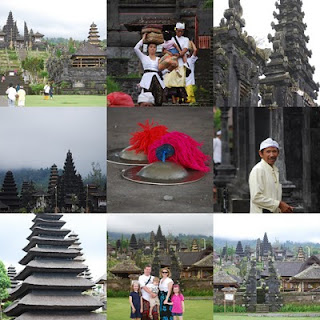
[177,302]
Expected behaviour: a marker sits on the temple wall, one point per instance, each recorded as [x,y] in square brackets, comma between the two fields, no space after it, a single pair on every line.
[288,298]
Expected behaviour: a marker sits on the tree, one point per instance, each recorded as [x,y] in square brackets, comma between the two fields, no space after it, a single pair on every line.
[33,65]
[4,285]
[95,176]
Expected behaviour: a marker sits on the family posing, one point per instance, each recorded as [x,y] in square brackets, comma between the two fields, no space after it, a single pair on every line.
[174,70]
[151,297]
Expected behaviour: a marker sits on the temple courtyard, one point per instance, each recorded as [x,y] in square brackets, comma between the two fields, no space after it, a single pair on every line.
[62,101]
[285,316]
[195,309]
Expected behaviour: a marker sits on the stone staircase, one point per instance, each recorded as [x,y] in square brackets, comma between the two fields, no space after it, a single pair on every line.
[9,79]
[262,308]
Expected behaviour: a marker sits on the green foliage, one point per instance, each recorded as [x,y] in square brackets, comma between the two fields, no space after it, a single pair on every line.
[300,308]
[112,85]
[208,4]
[4,282]
[58,53]
[197,293]
[95,176]
[219,309]
[217,120]
[36,88]
[13,56]
[65,84]
[44,74]
[117,294]
[33,64]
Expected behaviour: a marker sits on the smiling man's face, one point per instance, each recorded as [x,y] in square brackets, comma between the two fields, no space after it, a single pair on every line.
[269,155]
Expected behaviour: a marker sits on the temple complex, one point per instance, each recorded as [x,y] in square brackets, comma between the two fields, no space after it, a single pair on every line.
[83,72]
[50,285]
[10,37]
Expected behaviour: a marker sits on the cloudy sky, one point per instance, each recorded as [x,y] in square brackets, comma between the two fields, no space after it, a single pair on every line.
[39,137]
[294,227]
[58,18]
[259,15]
[194,224]
[14,229]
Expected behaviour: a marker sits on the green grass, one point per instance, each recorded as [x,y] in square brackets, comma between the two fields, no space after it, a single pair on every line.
[118,309]
[66,101]
[230,316]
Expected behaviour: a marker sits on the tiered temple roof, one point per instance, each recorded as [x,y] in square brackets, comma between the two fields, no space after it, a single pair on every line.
[9,192]
[51,288]
[12,274]
[93,37]
[239,249]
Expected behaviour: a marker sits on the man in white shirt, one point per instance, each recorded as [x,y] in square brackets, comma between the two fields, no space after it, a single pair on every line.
[265,188]
[11,92]
[145,282]
[183,41]
[217,146]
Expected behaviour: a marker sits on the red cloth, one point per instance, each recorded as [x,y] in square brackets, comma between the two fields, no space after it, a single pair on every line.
[119,99]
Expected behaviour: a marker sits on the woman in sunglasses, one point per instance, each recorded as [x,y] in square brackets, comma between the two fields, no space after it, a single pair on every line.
[165,289]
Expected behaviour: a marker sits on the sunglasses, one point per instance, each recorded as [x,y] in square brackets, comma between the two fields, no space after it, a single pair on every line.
[164,271]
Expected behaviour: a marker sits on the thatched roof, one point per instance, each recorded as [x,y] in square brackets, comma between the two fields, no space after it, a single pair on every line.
[222,278]
[206,262]
[126,266]
[88,49]
[285,268]
[312,273]
[61,316]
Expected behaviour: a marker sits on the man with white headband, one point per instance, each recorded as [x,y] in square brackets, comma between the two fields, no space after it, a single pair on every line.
[265,188]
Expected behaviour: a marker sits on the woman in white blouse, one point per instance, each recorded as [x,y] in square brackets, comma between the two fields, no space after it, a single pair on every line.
[165,289]
[151,81]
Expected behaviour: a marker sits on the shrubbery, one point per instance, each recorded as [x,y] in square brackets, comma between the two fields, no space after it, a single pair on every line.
[300,308]
[220,309]
[36,88]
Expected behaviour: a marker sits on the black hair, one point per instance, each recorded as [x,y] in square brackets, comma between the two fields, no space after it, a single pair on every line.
[11,85]
[167,35]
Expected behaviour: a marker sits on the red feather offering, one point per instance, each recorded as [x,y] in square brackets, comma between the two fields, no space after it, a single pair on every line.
[187,152]
[141,140]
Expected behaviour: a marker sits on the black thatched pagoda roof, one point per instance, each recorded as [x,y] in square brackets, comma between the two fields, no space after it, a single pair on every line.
[88,49]
[51,287]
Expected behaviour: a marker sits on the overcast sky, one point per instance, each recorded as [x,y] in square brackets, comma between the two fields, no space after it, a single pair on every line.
[39,137]
[194,224]
[14,229]
[259,15]
[282,227]
[58,18]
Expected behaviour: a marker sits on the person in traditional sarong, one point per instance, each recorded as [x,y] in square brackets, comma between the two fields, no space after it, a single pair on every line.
[190,80]
[265,187]
[151,80]
[176,81]
[165,290]
[145,282]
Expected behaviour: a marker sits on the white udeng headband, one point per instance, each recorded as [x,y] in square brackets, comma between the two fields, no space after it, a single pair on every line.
[269,143]
[180,25]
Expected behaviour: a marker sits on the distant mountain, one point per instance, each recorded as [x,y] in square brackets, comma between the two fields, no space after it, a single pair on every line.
[40,177]
[146,236]
[219,243]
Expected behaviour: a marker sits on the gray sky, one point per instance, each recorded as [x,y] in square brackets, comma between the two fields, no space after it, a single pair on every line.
[259,15]
[294,227]
[40,137]
[14,229]
[58,18]
[195,224]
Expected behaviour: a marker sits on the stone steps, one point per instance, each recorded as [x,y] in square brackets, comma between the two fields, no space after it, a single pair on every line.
[262,308]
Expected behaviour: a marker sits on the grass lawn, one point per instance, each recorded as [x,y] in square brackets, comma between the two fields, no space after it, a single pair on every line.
[66,101]
[230,316]
[118,309]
